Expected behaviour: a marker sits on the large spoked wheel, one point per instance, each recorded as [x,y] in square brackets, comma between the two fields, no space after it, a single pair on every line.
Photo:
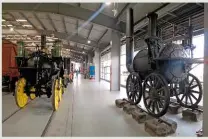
[60,89]
[21,97]
[134,88]
[156,94]
[62,85]
[190,92]
[55,95]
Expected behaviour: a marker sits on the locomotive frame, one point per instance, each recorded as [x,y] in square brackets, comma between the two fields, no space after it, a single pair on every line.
[155,85]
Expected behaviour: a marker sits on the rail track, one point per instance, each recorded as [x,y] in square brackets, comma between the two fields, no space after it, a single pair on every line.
[45,126]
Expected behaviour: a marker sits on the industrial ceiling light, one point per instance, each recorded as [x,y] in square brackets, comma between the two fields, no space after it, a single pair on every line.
[88,41]
[108,3]
[9,25]
[27,25]
[3,20]
[11,29]
[3,25]
[21,20]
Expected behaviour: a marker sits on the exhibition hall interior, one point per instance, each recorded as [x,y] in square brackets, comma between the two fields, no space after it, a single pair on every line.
[111,69]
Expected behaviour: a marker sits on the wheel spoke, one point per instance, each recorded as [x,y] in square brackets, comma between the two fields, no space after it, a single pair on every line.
[161,97]
[191,82]
[135,98]
[130,95]
[182,97]
[192,87]
[153,107]
[148,86]
[150,102]
[150,82]
[157,83]
[197,92]
[157,107]
[190,100]
[186,99]
[147,98]
[160,104]
[160,89]
[193,96]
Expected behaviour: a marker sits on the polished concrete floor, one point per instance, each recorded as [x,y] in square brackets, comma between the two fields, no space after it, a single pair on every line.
[87,109]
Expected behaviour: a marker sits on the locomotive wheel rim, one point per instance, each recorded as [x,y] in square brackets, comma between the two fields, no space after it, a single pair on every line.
[158,100]
[60,89]
[133,81]
[56,95]
[21,97]
[32,96]
[193,92]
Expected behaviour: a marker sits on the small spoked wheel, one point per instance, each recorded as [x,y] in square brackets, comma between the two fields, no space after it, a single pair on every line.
[134,88]
[55,95]
[190,92]
[32,95]
[156,94]
[21,97]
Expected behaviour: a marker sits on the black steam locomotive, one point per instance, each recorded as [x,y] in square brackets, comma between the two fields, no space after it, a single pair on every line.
[40,74]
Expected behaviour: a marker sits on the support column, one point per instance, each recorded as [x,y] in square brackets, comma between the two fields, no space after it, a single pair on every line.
[90,59]
[205,88]
[115,62]
[96,62]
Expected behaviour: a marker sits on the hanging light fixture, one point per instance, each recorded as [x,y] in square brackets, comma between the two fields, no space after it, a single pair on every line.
[115,11]
[11,29]
[108,3]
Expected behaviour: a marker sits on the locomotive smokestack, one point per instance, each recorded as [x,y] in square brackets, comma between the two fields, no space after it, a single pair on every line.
[129,38]
[152,24]
[43,41]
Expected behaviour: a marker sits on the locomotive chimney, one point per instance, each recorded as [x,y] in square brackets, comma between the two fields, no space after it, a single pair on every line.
[43,41]
[129,38]
[152,26]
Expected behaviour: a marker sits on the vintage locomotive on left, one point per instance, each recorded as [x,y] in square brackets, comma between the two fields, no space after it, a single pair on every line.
[40,74]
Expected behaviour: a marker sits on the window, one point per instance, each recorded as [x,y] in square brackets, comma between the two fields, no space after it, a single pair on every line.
[198,52]
[123,70]
[105,66]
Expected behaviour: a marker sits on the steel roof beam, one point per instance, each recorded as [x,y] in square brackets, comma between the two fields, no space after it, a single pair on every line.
[52,23]
[65,36]
[102,35]
[89,32]
[28,20]
[161,13]
[64,24]
[39,21]
[68,10]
